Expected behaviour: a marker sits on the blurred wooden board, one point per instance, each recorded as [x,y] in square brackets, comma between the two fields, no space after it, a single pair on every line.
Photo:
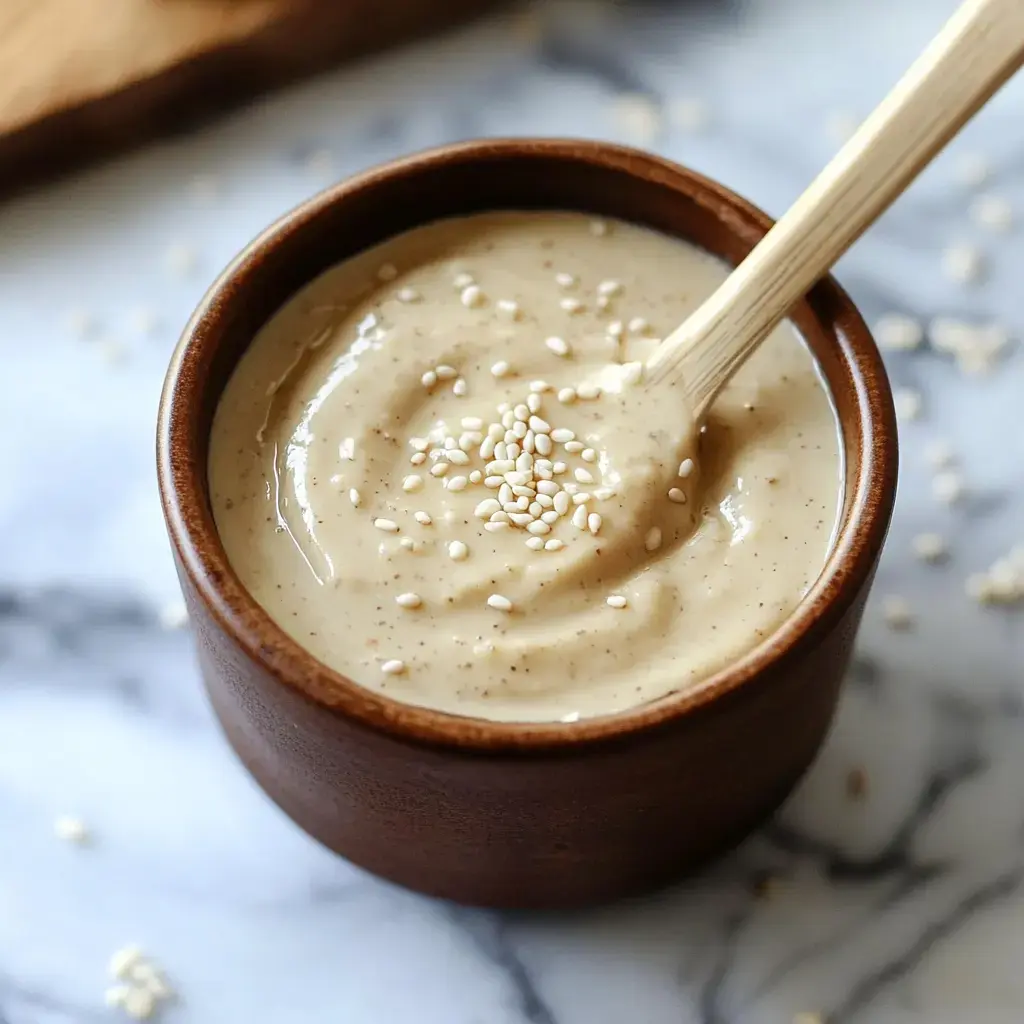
[81,79]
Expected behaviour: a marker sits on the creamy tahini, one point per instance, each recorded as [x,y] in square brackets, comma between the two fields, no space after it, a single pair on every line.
[440,470]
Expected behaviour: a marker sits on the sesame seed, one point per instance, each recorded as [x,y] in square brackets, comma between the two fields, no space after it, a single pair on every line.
[476,476]
[418,458]
[638,325]
[897,614]
[393,667]
[387,525]
[457,551]
[463,280]
[567,396]
[439,469]
[565,280]
[457,483]
[508,308]
[594,523]
[581,498]
[472,296]
[429,379]
[457,457]
[423,518]
[539,425]
[499,603]
[598,228]
[616,601]
[588,392]
[561,435]
[501,368]
[898,333]
[588,454]
[534,401]
[542,442]
[972,170]
[550,517]
[948,487]
[571,305]
[487,508]
[535,543]
[930,547]
[559,346]
[993,212]
[387,272]
[574,447]
[653,539]
[412,483]
[355,497]
[584,476]
[676,495]
[459,388]
[561,501]
[963,263]
[579,518]
[907,403]
[538,526]
[685,469]
[604,493]
[609,288]
[408,295]
[408,544]
[445,372]
[539,386]
[409,600]
[559,468]
[71,830]
[553,545]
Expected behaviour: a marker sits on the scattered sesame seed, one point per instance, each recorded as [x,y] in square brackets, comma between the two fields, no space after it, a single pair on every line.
[457,551]
[907,403]
[535,543]
[439,469]
[930,547]
[897,614]
[445,372]
[418,458]
[975,348]
[579,517]
[410,483]
[499,603]
[584,476]
[71,830]
[472,296]
[387,525]
[588,392]
[616,601]
[972,170]
[963,263]
[429,379]
[559,346]
[598,228]
[459,388]
[594,521]
[993,212]
[1002,583]
[508,308]
[609,288]
[898,333]
[685,469]
[457,483]
[554,544]
[408,295]
[676,494]
[463,280]
[539,526]
[948,487]
[653,539]
[173,615]
[409,600]
[571,305]
[423,518]
[638,325]
[939,454]
[393,667]
[123,961]
[567,396]
[562,434]
[587,455]
[540,386]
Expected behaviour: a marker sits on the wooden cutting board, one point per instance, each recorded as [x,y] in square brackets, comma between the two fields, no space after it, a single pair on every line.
[80,79]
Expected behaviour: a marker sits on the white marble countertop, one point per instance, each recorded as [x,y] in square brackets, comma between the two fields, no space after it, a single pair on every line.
[906,905]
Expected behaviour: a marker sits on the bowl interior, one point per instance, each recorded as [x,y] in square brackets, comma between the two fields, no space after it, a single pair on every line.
[467,178]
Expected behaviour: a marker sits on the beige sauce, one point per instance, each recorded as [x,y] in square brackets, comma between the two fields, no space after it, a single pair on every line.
[563,585]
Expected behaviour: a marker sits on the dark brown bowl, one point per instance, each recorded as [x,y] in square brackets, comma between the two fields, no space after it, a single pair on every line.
[518,815]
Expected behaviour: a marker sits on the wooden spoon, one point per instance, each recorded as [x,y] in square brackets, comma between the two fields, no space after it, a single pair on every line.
[976,51]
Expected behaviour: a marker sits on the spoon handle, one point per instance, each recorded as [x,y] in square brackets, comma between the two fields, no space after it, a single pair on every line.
[970,58]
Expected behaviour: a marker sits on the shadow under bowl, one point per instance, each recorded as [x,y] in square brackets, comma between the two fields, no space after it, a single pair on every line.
[518,814]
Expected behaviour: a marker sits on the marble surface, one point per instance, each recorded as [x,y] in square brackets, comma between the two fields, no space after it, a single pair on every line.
[906,905]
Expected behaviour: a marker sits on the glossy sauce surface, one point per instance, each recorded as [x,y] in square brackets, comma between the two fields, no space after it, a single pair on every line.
[481,588]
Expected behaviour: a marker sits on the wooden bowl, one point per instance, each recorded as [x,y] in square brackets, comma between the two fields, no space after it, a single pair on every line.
[499,814]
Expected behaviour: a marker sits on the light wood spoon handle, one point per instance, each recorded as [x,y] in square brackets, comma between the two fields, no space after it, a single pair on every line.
[976,51]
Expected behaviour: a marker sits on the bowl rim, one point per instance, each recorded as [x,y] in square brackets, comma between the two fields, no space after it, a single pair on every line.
[201,557]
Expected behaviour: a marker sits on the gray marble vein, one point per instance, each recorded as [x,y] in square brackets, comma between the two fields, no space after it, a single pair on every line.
[899,904]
